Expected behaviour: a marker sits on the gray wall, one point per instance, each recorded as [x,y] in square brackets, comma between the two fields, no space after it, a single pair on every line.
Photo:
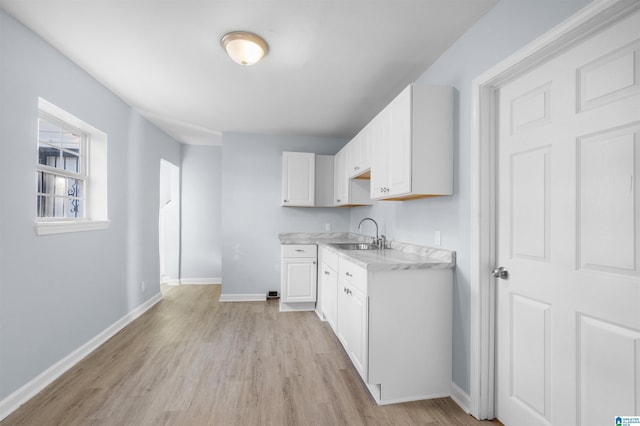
[201,212]
[510,25]
[251,213]
[59,291]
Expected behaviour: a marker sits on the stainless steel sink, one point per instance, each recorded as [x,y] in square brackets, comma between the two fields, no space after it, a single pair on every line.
[355,246]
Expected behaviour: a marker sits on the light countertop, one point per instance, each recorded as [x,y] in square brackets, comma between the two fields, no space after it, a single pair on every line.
[401,256]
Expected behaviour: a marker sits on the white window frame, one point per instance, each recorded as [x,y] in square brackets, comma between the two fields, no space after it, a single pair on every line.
[95,158]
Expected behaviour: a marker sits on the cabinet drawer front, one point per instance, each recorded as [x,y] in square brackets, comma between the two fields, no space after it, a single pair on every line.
[330,258]
[353,274]
[299,250]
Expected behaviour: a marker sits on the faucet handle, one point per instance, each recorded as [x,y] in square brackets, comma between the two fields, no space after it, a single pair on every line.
[382,242]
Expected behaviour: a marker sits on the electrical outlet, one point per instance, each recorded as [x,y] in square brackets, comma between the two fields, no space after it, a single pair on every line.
[142,286]
[327,227]
[271,294]
[437,238]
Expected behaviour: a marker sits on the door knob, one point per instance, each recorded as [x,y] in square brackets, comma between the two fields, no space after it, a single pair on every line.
[500,272]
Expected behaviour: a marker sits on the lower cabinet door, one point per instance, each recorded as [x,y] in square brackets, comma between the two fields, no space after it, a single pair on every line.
[359,342]
[329,280]
[352,325]
[299,280]
[342,329]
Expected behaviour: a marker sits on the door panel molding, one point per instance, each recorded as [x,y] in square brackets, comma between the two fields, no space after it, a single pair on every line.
[610,159]
[601,346]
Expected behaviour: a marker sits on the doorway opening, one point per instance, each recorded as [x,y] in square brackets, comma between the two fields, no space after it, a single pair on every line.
[169,223]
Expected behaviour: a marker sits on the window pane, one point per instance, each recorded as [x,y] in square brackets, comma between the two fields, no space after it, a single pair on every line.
[75,208]
[42,204]
[59,196]
[49,206]
[48,155]
[59,146]
[60,187]
[75,202]
[41,183]
[71,161]
[51,184]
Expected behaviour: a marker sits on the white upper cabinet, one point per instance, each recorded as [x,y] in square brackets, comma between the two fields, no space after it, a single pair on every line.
[379,162]
[348,191]
[340,180]
[366,142]
[324,181]
[298,179]
[413,145]
[359,155]
[405,152]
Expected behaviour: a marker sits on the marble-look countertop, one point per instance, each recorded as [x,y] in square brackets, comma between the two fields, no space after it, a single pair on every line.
[400,256]
[322,238]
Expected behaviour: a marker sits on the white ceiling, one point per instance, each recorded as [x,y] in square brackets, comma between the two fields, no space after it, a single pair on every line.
[332,64]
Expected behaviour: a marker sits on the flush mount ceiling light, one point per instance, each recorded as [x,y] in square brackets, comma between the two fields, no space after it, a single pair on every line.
[243,47]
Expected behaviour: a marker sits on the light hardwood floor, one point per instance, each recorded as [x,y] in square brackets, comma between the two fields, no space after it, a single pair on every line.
[191,360]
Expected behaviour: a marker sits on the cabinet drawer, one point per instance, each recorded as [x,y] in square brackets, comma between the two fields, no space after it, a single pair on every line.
[353,274]
[299,250]
[329,258]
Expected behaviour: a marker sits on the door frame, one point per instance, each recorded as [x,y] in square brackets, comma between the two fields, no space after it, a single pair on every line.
[591,19]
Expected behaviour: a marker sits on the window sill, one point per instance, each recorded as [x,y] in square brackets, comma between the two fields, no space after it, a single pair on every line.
[62,227]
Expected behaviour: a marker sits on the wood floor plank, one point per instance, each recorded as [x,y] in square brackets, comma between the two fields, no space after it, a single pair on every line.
[191,360]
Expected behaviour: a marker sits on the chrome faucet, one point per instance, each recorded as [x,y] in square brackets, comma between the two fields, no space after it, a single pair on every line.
[380,241]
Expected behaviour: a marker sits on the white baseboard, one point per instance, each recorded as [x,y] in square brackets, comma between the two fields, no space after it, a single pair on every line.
[256,297]
[29,390]
[460,397]
[189,281]
[297,306]
[204,281]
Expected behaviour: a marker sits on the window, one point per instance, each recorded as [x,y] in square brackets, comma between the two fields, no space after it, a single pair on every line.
[61,169]
[71,173]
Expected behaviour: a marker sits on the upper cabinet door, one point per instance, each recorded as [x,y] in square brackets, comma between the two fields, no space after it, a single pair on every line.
[340,180]
[413,145]
[360,154]
[298,179]
[366,141]
[380,154]
[353,157]
[399,158]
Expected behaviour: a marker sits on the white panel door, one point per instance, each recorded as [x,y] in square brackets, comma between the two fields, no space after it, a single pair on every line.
[568,314]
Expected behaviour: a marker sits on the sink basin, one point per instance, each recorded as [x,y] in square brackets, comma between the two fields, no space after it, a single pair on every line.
[356,246]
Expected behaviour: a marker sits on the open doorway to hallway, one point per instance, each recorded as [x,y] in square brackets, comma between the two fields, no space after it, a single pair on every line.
[169,223]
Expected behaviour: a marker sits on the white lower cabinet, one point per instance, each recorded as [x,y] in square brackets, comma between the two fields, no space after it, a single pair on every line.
[327,306]
[352,324]
[395,325]
[298,277]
